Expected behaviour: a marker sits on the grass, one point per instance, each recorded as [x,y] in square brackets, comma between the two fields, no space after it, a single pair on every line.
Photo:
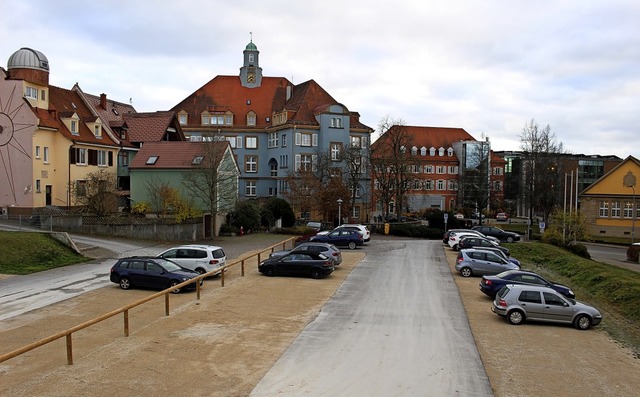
[26,252]
[614,291]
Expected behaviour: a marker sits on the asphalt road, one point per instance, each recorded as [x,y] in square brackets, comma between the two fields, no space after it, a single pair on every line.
[395,327]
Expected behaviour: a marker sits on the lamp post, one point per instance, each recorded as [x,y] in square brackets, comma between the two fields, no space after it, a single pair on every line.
[629,180]
[339,201]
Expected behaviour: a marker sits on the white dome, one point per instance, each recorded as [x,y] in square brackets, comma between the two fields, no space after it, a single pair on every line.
[26,58]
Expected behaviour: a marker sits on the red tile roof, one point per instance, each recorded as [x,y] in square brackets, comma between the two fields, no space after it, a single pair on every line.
[64,103]
[152,127]
[226,93]
[173,155]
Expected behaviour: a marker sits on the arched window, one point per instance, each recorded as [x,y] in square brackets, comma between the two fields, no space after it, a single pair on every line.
[432,151]
[423,151]
[441,151]
[450,152]
[414,151]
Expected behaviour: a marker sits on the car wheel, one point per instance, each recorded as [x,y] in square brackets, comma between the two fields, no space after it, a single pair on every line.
[466,272]
[317,274]
[582,322]
[352,245]
[455,247]
[173,284]
[509,239]
[125,283]
[515,317]
[270,271]
[200,270]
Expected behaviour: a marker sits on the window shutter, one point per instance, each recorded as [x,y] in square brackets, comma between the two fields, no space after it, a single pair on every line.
[110,158]
[92,157]
[298,139]
[72,155]
[314,161]
[314,140]
[297,168]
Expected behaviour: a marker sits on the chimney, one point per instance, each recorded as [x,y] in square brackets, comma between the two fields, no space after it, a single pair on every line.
[103,101]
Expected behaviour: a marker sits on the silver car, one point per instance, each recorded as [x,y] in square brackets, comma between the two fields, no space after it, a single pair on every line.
[479,262]
[531,302]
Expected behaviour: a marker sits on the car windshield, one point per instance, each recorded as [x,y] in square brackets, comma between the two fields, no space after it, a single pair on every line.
[169,266]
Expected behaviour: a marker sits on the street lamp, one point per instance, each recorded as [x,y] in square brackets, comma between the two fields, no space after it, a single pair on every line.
[339,201]
[629,180]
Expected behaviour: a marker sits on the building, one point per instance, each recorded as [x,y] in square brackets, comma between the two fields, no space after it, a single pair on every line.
[610,204]
[275,128]
[444,168]
[51,139]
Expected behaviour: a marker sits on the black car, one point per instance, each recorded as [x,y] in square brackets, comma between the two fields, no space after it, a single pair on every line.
[340,237]
[149,272]
[329,250]
[310,264]
[498,233]
[490,285]
[479,242]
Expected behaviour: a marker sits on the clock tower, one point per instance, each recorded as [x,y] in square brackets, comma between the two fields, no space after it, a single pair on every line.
[251,72]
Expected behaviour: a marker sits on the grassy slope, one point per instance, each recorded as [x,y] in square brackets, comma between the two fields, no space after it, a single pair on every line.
[613,290]
[25,252]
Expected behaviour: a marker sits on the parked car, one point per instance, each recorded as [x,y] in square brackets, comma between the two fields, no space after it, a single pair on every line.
[500,234]
[149,272]
[197,257]
[364,231]
[329,250]
[459,216]
[519,303]
[340,237]
[469,241]
[455,237]
[490,285]
[502,217]
[445,236]
[477,262]
[317,226]
[309,264]
[502,254]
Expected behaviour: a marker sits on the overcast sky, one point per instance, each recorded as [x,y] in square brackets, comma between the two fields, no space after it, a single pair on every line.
[488,66]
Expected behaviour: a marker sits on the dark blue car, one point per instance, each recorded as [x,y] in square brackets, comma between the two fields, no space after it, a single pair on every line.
[340,237]
[490,285]
[148,272]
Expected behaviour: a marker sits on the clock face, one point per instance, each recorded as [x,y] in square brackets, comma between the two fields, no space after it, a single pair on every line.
[251,78]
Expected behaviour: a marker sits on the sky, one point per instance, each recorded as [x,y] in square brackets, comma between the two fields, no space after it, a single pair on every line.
[487,66]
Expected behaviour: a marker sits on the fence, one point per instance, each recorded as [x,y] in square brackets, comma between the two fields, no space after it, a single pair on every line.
[68,333]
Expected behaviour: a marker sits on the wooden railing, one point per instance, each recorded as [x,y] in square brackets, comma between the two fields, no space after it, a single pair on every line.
[68,333]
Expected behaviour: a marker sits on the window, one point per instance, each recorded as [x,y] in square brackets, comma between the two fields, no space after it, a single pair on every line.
[453,169]
[274,168]
[42,95]
[123,158]
[428,184]
[432,151]
[152,160]
[356,141]
[615,209]
[530,296]
[336,122]
[451,184]
[357,192]
[304,139]
[272,140]
[197,160]
[440,184]
[250,164]
[250,189]
[428,169]
[440,169]
[304,162]
[235,141]
[552,299]
[423,151]
[604,209]
[81,188]
[206,119]
[284,140]
[102,158]
[31,93]
[45,153]
[441,151]
[182,118]
[336,150]
[251,119]
[628,210]
[414,151]
[97,131]
[228,119]
[74,127]
[355,212]
[284,161]
[450,152]
[251,59]
[38,186]
[415,169]
[497,186]
[497,171]
[37,152]
[251,142]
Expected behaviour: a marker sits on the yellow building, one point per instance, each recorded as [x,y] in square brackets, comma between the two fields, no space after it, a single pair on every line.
[610,204]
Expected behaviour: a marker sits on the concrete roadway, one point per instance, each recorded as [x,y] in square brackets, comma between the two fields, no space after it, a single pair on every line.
[395,327]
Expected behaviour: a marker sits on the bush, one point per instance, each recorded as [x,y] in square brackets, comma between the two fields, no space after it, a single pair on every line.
[141,208]
[228,229]
[633,253]
[579,249]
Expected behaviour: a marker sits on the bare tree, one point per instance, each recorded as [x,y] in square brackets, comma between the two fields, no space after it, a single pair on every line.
[541,168]
[213,180]
[391,161]
[355,161]
[97,192]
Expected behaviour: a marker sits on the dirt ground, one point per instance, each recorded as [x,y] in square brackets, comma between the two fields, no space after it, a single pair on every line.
[223,344]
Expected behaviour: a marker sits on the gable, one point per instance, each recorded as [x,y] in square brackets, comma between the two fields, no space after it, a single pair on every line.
[612,183]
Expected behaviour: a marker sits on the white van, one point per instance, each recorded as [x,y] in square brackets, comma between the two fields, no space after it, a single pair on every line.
[200,258]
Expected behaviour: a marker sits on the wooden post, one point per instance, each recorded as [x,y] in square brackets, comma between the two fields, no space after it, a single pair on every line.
[222,277]
[69,350]
[198,289]
[166,304]
[126,323]
[242,267]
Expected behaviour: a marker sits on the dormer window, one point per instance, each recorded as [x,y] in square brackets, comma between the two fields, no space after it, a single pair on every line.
[97,131]
[73,127]
[31,93]
[432,151]
[423,151]
[182,118]
[251,119]
[336,122]
[206,119]
[441,151]
[414,151]
[450,152]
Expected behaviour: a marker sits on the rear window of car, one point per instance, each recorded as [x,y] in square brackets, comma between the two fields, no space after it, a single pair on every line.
[530,296]
[219,253]
[503,292]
